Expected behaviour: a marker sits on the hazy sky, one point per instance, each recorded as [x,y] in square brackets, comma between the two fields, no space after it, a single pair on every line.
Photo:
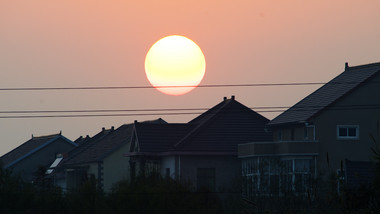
[81,43]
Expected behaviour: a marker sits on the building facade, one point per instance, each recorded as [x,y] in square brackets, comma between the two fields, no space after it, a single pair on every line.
[314,137]
[31,159]
[202,152]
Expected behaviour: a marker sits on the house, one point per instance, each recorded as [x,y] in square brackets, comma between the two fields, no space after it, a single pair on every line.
[36,155]
[58,173]
[315,136]
[100,158]
[202,151]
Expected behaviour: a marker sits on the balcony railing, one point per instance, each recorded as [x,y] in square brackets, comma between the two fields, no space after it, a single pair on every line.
[278,148]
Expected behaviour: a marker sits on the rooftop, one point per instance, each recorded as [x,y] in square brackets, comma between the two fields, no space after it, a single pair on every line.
[326,95]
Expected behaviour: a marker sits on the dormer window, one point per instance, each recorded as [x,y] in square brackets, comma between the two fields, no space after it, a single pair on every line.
[348,132]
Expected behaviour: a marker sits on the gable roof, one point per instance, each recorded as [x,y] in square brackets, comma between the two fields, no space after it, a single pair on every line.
[326,95]
[84,143]
[159,137]
[29,147]
[100,145]
[218,131]
[209,114]
[223,127]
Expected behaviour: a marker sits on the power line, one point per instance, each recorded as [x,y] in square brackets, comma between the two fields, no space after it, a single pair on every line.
[308,107]
[150,87]
[168,112]
[117,110]
[94,115]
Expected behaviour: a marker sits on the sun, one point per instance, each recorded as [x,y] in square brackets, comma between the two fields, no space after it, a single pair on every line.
[175,65]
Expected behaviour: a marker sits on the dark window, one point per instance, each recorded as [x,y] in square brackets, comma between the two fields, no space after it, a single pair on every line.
[206,179]
[348,132]
[342,132]
[167,172]
[302,165]
[352,132]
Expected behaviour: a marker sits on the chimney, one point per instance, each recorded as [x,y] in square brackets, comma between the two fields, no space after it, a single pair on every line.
[103,129]
[233,97]
[112,128]
[224,98]
[346,66]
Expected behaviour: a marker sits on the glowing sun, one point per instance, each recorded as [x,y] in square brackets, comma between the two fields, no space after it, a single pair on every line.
[175,65]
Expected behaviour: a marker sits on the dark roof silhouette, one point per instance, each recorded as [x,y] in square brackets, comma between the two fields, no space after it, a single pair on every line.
[93,149]
[223,127]
[159,137]
[218,130]
[100,145]
[83,144]
[29,147]
[326,95]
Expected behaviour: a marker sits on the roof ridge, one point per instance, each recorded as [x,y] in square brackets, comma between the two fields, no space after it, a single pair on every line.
[115,147]
[31,139]
[45,136]
[225,102]
[22,156]
[96,144]
[84,146]
[349,68]
[349,72]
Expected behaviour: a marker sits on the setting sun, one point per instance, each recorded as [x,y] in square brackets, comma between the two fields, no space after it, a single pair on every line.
[176,62]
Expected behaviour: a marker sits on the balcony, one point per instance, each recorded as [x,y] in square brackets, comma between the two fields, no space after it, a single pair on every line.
[278,148]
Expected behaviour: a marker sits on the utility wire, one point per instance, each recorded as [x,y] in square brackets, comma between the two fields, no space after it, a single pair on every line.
[147,87]
[294,108]
[117,110]
[168,112]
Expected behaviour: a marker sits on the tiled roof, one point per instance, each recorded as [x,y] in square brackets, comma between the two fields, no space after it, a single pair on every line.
[326,95]
[211,112]
[100,145]
[84,143]
[218,130]
[29,147]
[159,137]
[223,127]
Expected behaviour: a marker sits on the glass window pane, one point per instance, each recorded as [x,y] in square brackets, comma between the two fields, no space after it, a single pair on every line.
[342,132]
[352,132]
[302,165]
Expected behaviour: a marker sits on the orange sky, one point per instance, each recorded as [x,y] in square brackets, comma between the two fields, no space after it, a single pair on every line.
[103,43]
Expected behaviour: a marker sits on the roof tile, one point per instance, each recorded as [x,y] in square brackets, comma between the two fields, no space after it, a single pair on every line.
[351,78]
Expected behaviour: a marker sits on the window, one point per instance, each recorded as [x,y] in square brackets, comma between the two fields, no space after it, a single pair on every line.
[167,172]
[347,132]
[206,179]
[302,165]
